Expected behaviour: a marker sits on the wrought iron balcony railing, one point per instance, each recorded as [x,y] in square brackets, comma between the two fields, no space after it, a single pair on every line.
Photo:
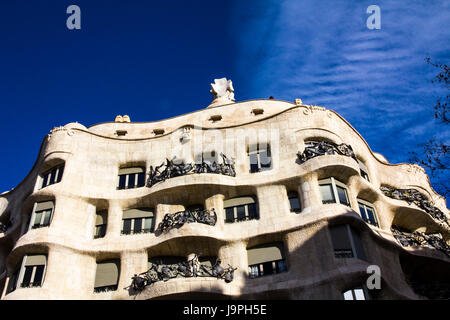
[417,198]
[170,169]
[320,148]
[419,239]
[178,219]
[187,269]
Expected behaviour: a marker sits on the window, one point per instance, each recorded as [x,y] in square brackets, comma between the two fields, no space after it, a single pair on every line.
[367,212]
[107,275]
[138,220]
[355,294]
[52,176]
[294,202]
[363,170]
[346,242]
[131,178]
[100,224]
[30,274]
[266,259]
[333,191]
[240,209]
[41,215]
[260,157]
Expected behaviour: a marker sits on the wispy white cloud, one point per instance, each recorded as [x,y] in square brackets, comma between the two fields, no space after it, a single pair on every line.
[322,52]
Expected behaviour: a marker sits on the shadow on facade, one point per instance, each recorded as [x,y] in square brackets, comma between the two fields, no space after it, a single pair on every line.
[313,270]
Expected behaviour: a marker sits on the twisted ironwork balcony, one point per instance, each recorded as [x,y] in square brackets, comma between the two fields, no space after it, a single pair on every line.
[417,198]
[419,239]
[178,219]
[170,169]
[187,269]
[320,148]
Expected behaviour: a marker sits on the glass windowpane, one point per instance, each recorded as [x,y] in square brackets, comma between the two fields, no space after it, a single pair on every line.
[267,268]
[131,180]
[371,216]
[137,225]
[252,213]
[254,162]
[27,276]
[44,182]
[294,203]
[265,159]
[47,216]
[52,177]
[326,191]
[38,275]
[122,179]
[148,224]
[141,179]
[359,294]
[229,214]
[127,226]
[241,213]
[37,219]
[60,173]
[342,194]
[348,295]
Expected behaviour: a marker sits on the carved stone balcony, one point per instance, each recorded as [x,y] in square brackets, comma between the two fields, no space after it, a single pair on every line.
[170,169]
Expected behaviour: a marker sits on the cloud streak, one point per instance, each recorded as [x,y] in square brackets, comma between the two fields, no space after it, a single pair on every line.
[322,52]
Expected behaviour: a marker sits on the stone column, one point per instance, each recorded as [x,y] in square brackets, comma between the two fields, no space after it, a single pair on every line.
[235,254]
[309,192]
[131,263]
[114,225]
[270,201]
[216,202]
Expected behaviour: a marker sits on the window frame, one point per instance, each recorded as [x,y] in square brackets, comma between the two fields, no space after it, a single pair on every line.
[143,230]
[136,176]
[108,288]
[32,219]
[101,228]
[357,253]
[247,216]
[363,171]
[292,195]
[366,204]
[277,266]
[21,273]
[45,177]
[256,149]
[352,292]
[334,183]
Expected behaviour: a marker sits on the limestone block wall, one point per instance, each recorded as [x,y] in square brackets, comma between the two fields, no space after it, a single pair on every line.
[93,156]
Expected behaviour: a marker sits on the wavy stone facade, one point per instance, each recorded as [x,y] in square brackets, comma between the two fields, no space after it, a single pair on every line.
[313,261]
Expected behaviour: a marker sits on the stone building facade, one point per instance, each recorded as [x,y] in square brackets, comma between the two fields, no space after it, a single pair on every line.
[261,199]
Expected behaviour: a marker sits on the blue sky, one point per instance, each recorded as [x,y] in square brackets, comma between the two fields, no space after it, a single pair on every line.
[153,61]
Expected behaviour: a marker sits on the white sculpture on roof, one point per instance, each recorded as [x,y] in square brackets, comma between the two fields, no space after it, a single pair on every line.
[222,91]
